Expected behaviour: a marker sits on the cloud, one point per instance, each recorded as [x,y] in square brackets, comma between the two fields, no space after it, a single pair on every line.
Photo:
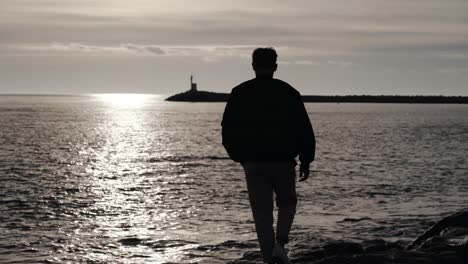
[207,53]
[147,49]
[313,38]
[454,70]
[341,63]
[75,48]
[318,27]
[307,62]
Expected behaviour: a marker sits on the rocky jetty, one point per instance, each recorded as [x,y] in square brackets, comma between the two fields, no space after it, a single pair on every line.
[194,95]
[446,242]
[199,96]
[204,96]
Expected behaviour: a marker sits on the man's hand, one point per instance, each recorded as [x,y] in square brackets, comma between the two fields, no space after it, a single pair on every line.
[304,172]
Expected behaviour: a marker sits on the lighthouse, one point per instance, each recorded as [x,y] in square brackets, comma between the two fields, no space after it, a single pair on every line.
[193,86]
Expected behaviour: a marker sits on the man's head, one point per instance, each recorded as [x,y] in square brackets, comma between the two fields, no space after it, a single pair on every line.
[264,61]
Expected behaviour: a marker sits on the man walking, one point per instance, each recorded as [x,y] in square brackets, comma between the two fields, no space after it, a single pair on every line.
[265,127]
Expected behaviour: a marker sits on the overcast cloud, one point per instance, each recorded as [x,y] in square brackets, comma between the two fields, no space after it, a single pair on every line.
[325,47]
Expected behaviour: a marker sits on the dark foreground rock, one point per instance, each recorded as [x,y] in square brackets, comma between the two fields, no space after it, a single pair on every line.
[446,243]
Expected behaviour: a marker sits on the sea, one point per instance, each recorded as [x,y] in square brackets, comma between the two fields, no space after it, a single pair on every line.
[130,178]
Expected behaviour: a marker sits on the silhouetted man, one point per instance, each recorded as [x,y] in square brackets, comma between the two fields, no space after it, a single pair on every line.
[265,127]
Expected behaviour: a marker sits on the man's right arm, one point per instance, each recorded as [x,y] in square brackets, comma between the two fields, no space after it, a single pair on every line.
[229,125]
[306,139]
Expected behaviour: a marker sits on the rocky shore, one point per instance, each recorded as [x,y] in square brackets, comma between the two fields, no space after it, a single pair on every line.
[446,242]
[198,96]
[204,96]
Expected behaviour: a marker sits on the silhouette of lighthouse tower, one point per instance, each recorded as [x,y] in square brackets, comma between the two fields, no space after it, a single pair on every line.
[193,86]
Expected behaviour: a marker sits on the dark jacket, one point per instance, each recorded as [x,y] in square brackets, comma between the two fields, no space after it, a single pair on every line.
[265,120]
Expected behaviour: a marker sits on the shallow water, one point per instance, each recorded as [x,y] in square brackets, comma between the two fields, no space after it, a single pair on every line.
[134,179]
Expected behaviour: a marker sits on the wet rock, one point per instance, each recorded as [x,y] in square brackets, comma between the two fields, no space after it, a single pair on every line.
[342,248]
[228,244]
[308,256]
[446,242]
[379,245]
[249,258]
[444,229]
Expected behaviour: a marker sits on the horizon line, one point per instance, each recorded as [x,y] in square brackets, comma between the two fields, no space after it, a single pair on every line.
[161,94]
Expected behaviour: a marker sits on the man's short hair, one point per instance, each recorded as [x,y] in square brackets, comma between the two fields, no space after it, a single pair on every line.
[264,57]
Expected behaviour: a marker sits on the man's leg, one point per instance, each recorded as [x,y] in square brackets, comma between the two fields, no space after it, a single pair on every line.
[260,189]
[284,185]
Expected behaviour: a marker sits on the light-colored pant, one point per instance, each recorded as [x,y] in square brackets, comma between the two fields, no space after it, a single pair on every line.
[264,178]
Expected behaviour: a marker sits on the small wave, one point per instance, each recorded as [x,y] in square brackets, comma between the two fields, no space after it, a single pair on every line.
[19,109]
[170,243]
[185,158]
[131,241]
[354,220]
[217,158]
[228,244]
[159,244]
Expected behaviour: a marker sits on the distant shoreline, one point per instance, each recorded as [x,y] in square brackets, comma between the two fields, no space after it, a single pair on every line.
[204,96]
[213,97]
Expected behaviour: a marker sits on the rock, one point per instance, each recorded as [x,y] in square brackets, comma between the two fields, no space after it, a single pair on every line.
[442,228]
[342,248]
[308,256]
[199,96]
[379,245]
[446,242]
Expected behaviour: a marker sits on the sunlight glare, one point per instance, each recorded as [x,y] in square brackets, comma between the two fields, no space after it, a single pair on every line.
[124,100]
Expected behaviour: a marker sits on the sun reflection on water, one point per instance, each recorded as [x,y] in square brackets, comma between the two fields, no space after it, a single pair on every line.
[132,198]
[125,100]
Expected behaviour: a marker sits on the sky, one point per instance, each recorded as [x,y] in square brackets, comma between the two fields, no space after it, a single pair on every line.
[325,47]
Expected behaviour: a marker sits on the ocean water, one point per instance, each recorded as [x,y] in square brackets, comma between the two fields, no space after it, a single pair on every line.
[135,179]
